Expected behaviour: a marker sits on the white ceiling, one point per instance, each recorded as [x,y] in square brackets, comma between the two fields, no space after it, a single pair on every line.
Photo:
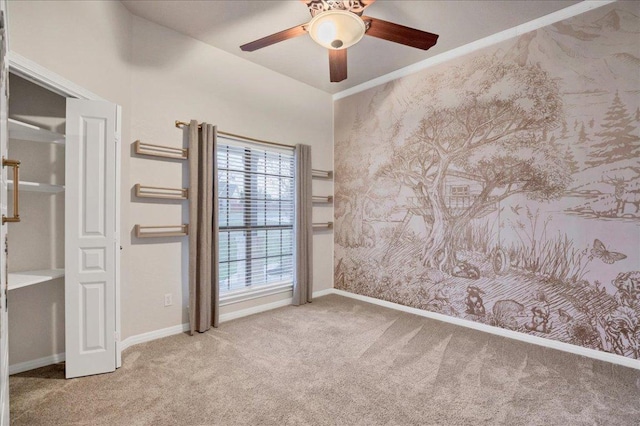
[229,24]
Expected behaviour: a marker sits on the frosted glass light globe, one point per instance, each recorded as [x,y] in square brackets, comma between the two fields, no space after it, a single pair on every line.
[336,29]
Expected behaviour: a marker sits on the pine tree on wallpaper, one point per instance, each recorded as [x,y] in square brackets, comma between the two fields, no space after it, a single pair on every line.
[583,138]
[619,137]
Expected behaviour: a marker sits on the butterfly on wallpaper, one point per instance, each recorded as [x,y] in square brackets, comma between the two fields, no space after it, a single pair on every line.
[603,254]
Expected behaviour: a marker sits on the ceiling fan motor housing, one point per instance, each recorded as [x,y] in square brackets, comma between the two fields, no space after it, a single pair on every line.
[354,6]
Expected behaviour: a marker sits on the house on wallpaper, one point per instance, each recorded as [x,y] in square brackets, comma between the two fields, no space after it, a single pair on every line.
[461,190]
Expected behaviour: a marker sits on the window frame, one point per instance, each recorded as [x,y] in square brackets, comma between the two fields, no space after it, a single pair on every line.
[249,184]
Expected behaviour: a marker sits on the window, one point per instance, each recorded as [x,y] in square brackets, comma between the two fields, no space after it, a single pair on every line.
[256,200]
[460,190]
[459,197]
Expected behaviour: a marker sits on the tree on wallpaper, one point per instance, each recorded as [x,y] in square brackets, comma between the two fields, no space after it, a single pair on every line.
[362,195]
[488,129]
[504,187]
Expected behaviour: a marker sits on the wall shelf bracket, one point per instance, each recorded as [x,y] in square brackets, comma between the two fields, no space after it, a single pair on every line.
[161,231]
[161,151]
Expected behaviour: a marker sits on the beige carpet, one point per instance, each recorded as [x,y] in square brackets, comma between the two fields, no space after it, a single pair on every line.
[339,362]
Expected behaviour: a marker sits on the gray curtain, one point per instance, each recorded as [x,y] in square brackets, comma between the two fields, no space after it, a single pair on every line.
[303,286]
[203,228]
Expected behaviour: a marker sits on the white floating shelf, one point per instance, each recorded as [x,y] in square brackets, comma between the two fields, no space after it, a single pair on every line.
[26,278]
[29,132]
[36,187]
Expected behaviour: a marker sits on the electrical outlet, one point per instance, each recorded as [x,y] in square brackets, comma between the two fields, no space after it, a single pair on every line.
[168,299]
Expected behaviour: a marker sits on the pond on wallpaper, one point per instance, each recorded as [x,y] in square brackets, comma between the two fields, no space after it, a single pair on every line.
[504,187]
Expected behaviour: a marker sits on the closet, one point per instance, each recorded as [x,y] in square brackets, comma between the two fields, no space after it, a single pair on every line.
[63,253]
[36,244]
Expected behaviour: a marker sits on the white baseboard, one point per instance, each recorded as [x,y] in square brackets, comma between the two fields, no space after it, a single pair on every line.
[153,335]
[163,332]
[130,341]
[255,310]
[323,292]
[267,307]
[177,329]
[36,363]
[540,341]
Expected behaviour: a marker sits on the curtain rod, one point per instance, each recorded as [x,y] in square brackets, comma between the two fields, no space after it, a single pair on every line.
[181,124]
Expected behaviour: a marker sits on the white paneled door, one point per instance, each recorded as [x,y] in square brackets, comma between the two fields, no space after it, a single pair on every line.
[4,329]
[91,236]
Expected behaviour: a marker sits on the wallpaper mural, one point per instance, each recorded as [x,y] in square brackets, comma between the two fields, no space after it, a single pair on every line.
[504,187]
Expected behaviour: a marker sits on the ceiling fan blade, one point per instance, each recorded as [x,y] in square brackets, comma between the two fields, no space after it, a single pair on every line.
[337,65]
[400,34]
[274,38]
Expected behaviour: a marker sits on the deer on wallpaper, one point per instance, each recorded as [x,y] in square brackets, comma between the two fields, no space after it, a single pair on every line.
[622,195]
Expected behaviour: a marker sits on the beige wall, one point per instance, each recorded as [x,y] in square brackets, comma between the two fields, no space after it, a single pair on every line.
[182,79]
[158,76]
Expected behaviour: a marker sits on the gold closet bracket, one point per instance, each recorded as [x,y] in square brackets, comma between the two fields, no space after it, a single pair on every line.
[16,190]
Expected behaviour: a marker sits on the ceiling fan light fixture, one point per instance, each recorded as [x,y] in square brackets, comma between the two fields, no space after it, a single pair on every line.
[336,29]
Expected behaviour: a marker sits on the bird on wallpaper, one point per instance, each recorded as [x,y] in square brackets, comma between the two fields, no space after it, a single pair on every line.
[603,254]
[516,209]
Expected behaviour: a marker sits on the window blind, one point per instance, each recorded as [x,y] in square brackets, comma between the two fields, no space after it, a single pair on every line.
[256,201]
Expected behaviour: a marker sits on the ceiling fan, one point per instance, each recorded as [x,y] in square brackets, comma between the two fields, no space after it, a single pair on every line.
[339,24]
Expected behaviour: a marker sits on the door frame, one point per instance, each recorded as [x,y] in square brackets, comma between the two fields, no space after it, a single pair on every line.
[35,73]
[4,140]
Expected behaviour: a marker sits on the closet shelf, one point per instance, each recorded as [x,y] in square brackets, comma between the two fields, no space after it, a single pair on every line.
[29,132]
[26,278]
[36,187]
